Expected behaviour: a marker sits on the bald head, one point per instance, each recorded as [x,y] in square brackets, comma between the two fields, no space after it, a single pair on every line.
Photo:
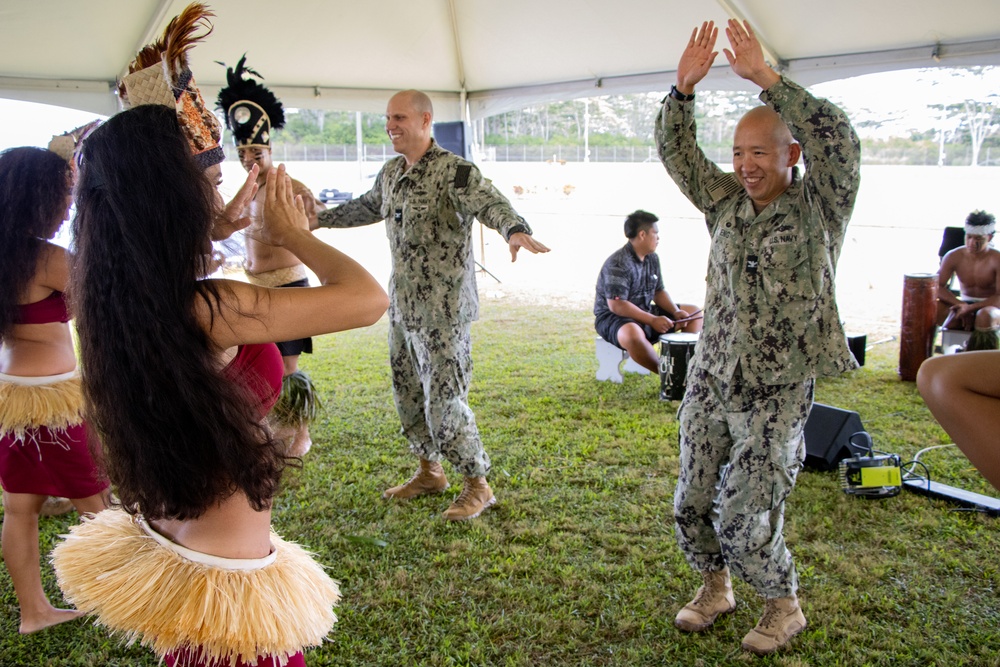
[415,100]
[409,118]
[764,153]
[767,122]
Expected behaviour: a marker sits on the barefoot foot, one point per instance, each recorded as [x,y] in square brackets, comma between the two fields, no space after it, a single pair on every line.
[50,617]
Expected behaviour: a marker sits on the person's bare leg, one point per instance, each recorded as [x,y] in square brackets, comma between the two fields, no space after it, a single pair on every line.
[694,326]
[20,553]
[92,504]
[299,439]
[632,339]
[963,393]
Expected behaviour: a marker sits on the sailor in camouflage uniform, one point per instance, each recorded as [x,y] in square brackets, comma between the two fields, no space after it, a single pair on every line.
[429,199]
[771,325]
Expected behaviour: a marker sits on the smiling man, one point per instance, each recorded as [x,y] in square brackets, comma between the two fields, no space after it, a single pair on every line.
[771,325]
[429,199]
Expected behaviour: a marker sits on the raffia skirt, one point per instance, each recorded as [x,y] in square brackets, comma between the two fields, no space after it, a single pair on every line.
[43,439]
[147,589]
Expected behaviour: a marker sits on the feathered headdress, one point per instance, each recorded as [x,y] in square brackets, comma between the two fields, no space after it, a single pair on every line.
[160,75]
[252,110]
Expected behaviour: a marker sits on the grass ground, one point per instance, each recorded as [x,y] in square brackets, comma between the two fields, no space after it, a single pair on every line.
[577,564]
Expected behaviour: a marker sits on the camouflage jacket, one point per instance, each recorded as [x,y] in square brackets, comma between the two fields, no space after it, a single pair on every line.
[770,302]
[429,210]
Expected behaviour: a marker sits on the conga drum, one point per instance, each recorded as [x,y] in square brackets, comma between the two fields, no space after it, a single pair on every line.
[918,323]
[676,350]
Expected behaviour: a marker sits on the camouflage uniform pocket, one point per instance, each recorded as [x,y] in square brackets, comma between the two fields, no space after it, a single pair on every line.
[786,272]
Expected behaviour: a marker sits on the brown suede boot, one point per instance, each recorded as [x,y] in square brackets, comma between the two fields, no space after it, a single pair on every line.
[782,620]
[713,598]
[429,478]
[476,496]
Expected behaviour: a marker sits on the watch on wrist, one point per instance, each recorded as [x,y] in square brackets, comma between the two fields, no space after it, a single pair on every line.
[679,96]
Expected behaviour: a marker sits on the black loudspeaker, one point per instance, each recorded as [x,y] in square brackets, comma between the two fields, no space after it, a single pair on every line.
[451,137]
[828,430]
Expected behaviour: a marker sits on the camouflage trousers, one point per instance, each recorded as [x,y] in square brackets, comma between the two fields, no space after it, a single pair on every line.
[741,448]
[431,372]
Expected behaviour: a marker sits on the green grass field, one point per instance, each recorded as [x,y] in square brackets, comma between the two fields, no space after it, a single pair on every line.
[577,563]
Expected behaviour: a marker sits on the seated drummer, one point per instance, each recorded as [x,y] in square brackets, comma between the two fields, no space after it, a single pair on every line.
[977,265]
[631,308]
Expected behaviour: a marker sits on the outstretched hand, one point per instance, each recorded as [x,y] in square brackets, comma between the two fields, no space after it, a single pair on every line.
[697,58]
[526,241]
[747,56]
[234,217]
[283,213]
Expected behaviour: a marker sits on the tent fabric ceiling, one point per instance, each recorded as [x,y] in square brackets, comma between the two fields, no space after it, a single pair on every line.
[481,55]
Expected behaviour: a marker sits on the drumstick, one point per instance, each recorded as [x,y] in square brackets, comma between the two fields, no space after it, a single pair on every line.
[696,315]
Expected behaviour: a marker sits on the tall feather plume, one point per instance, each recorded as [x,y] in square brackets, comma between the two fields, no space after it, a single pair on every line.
[180,34]
[178,38]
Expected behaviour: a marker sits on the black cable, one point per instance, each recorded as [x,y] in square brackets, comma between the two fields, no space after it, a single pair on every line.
[908,473]
[867,448]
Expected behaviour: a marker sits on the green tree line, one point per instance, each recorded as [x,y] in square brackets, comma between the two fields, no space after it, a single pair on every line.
[965,131]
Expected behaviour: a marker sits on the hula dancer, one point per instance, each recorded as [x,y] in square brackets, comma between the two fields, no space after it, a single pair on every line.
[43,438]
[179,375]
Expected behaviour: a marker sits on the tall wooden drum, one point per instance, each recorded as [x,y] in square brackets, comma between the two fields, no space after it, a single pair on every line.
[918,325]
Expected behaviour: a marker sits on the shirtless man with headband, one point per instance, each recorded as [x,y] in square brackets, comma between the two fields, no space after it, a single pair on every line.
[977,265]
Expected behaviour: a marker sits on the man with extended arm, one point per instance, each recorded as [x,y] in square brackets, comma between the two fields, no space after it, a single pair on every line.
[429,198]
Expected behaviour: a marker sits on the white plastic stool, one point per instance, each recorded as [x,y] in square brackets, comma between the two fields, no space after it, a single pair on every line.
[609,361]
[953,340]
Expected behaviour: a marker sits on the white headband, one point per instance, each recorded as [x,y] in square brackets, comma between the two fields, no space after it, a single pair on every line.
[980,230]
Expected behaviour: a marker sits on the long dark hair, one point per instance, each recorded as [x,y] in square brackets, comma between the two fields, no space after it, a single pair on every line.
[34,183]
[177,435]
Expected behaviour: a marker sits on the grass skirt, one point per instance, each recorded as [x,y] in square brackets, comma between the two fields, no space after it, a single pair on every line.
[298,403]
[140,589]
[983,339]
[278,277]
[26,403]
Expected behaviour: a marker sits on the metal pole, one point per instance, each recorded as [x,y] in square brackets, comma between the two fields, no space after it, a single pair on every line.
[360,140]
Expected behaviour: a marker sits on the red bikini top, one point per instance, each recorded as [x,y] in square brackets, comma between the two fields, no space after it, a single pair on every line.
[50,309]
[259,368]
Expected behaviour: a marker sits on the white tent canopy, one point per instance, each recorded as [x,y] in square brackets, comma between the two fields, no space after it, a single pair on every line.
[475,57]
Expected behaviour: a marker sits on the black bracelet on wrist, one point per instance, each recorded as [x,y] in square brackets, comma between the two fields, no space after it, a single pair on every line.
[679,96]
[516,229]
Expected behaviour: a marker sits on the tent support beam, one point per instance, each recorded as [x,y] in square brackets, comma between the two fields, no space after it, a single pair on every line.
[737,12]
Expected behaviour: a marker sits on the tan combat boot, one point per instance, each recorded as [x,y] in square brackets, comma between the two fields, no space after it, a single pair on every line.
[429,478]
[475,497]
[782,620]
[713,598]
